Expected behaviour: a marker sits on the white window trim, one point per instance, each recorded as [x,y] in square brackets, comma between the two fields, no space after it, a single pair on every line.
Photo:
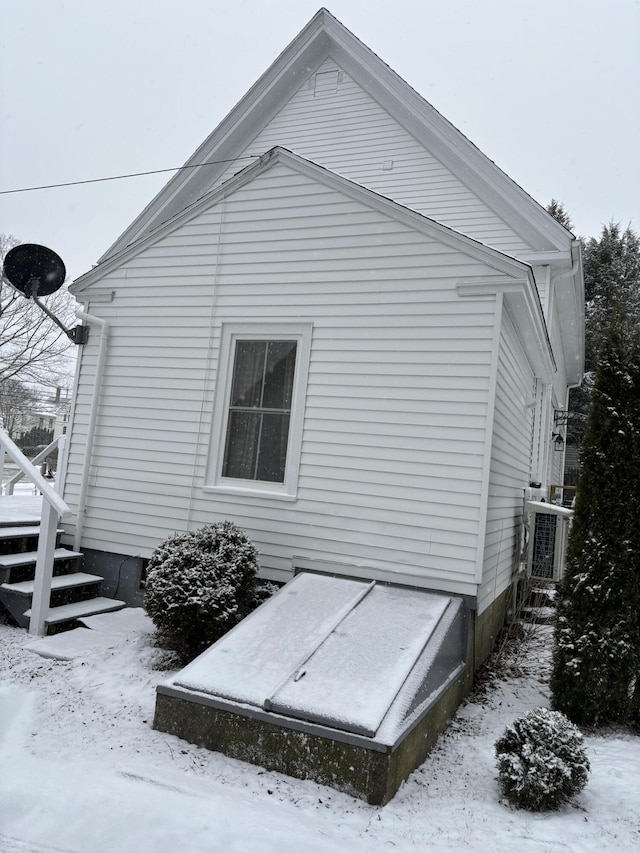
[230,333]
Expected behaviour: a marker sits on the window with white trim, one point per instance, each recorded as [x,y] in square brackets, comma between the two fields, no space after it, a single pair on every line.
[259,409]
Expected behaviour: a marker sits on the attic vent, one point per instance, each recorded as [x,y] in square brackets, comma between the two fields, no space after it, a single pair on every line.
[325,83]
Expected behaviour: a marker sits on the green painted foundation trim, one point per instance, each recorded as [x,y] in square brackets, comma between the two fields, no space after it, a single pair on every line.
[489,624]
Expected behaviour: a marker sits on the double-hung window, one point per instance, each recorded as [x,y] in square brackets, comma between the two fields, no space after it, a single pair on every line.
[259,409]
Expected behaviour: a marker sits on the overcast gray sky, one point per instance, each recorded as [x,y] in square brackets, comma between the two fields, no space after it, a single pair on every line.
[548,89]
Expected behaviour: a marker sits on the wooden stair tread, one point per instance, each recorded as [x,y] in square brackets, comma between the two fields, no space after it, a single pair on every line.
[25,531]
[68,612]
[57,582]
[8,561]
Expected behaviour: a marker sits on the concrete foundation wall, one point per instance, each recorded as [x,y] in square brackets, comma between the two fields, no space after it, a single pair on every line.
[360,772]
[488,625]
[121,574]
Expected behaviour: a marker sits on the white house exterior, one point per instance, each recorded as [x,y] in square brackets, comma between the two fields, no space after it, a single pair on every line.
[422,315]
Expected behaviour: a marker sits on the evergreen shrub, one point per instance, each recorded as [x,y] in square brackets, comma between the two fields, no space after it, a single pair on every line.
[541,760]
[201,584]
[596,656]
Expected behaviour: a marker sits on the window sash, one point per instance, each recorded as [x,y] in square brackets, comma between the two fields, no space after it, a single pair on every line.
[257,433]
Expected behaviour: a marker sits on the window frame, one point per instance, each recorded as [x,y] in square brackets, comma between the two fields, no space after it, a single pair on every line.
[231,333]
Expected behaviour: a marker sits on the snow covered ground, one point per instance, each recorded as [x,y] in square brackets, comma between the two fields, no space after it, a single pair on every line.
[84,772]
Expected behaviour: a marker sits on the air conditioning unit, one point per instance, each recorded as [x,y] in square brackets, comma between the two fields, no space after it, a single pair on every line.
[548,526]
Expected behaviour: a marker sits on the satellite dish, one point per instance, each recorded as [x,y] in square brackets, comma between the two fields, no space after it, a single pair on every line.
[34,270]
[37,271]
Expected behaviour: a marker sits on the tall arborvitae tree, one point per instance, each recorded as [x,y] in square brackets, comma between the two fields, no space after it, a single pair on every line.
[558,211]
[612,282]
[596,668]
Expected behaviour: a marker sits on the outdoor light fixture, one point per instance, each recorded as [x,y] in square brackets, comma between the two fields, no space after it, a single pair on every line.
[34,271]
[558,441]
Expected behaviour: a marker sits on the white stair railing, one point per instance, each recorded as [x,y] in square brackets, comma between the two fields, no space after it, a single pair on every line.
[53,508]
[58,443]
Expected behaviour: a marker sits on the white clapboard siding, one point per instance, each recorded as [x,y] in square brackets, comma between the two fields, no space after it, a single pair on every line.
[350,133]
[542,277]
[510,464]
[397,397]
[556,476]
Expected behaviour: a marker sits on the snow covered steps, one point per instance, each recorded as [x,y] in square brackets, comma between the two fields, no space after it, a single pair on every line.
[539,608]
[25,558]
[74,593]
[80,609]
[21,531]
[539,615]
[59,582]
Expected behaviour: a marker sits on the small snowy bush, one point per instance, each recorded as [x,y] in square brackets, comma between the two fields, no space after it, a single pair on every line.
[201,584]
[541,760]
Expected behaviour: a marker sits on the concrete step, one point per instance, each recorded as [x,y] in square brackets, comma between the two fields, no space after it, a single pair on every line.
[58,582]
[23,531]
[70,612]
[539,615]
[10,561]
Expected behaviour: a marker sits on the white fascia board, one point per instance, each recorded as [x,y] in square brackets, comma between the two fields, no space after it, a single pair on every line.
[552,258]
[324,35]
[442,233]
[521,297]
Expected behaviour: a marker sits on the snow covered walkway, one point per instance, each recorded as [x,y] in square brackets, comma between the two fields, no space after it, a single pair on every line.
[82,771]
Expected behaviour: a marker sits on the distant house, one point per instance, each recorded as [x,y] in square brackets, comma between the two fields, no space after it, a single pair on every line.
[45,414]
[348,335]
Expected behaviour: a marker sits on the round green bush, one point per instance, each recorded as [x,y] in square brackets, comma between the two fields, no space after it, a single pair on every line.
[541,760]
[199,585]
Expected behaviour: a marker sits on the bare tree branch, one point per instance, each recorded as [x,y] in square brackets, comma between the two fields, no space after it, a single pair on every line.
[17,403]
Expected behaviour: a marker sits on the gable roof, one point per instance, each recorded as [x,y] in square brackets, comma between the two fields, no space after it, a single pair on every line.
[443,233]
[322,37]
[519,287]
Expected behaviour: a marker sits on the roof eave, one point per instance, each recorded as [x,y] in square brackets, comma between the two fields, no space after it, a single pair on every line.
[487,254]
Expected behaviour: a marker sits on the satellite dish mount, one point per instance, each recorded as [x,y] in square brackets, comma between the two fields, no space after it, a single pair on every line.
[36,271]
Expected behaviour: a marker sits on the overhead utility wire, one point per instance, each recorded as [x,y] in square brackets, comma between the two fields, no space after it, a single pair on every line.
[132,175]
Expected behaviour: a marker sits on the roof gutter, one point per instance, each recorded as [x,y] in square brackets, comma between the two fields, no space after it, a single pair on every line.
[571,272]
[574,298]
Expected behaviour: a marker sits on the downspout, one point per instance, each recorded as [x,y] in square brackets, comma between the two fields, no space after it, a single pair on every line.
[93,416]
[567,273]
[570,274]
